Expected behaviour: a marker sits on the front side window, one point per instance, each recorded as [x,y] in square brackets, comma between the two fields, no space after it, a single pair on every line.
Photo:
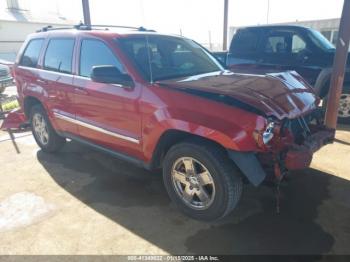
[59,55]
[163,57]
[277,44]
[31,54]
[94,53]
[298,44]
[284,43]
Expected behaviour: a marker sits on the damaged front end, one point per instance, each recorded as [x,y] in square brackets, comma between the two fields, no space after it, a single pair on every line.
[290,144]
[294,128]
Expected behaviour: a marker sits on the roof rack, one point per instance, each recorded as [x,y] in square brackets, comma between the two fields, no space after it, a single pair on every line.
[82,26]
[51,28]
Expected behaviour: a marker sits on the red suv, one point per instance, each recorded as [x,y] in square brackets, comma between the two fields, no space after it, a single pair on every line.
[163,101]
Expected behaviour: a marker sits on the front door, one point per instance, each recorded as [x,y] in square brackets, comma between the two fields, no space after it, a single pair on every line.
[106,114]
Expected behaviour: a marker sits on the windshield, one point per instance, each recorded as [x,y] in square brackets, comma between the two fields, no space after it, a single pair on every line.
[318,39]
[162,57]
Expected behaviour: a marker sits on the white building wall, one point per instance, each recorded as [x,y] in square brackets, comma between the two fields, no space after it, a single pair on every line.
[13,34]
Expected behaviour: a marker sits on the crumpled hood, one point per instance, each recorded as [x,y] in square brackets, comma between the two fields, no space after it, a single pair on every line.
[283,95]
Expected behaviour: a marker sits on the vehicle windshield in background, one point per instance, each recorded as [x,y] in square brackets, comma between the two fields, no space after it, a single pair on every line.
[163,57]
[318,39]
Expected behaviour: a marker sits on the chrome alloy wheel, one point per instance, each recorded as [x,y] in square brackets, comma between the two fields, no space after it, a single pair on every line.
[193,183]
[344,106]
[40,128]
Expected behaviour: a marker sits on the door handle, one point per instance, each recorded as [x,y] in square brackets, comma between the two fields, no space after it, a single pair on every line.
[81,91]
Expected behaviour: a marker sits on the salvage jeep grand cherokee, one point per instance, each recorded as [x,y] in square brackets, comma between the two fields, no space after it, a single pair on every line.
[163,101]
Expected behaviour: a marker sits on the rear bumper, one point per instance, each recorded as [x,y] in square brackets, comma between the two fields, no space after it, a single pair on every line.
[300,156]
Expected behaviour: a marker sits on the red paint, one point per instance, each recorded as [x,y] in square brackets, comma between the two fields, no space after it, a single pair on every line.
[298,158]
[281,94]
[14,120]
[146,111]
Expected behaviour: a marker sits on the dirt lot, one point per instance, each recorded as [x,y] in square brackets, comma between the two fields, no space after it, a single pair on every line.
[80,201]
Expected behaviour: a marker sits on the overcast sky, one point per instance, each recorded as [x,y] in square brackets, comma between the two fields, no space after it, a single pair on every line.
[194,17]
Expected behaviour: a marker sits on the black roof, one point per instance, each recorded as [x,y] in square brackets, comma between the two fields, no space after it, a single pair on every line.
[275,26]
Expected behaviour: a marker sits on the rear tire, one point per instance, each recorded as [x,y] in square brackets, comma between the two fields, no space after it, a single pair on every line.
[344,106]
[45,136]
[211,190]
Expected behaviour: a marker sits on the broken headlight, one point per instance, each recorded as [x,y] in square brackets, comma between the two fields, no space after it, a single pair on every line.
[263,137]
[268,133]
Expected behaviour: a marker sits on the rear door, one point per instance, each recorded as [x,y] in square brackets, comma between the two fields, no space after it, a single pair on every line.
[107,114]
[57,80]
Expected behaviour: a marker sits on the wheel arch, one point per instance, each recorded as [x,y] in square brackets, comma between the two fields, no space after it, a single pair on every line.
[28,103]
[323,81]
[171,137]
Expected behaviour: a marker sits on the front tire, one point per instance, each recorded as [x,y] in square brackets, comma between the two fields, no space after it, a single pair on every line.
[45,136]
[344,106]
[201,180]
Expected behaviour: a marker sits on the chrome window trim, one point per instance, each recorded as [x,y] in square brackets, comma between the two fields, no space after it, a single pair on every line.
[61,116]
[45,70]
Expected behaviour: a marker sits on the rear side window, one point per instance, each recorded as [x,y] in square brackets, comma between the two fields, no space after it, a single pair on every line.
[31,54]
[245,42]
[59,55]
[94,53]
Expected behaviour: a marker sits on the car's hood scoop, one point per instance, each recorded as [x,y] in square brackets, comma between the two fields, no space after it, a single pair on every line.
[280,94]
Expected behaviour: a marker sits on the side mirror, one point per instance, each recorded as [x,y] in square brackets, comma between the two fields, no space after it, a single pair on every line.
[110,75]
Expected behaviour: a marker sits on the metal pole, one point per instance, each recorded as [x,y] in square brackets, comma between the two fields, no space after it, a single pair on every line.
[339,63]
[210,44]
[86,12]
[224,44]
[268,11]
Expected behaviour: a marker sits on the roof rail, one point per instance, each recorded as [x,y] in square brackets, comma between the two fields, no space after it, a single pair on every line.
[89,27]
[82,26]
[50,28]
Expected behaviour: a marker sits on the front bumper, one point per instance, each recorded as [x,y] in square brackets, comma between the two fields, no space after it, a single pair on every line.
[300,156]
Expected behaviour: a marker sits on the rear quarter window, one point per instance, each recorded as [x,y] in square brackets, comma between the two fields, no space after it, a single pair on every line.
[31,53]
[58,56]
[245,42]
